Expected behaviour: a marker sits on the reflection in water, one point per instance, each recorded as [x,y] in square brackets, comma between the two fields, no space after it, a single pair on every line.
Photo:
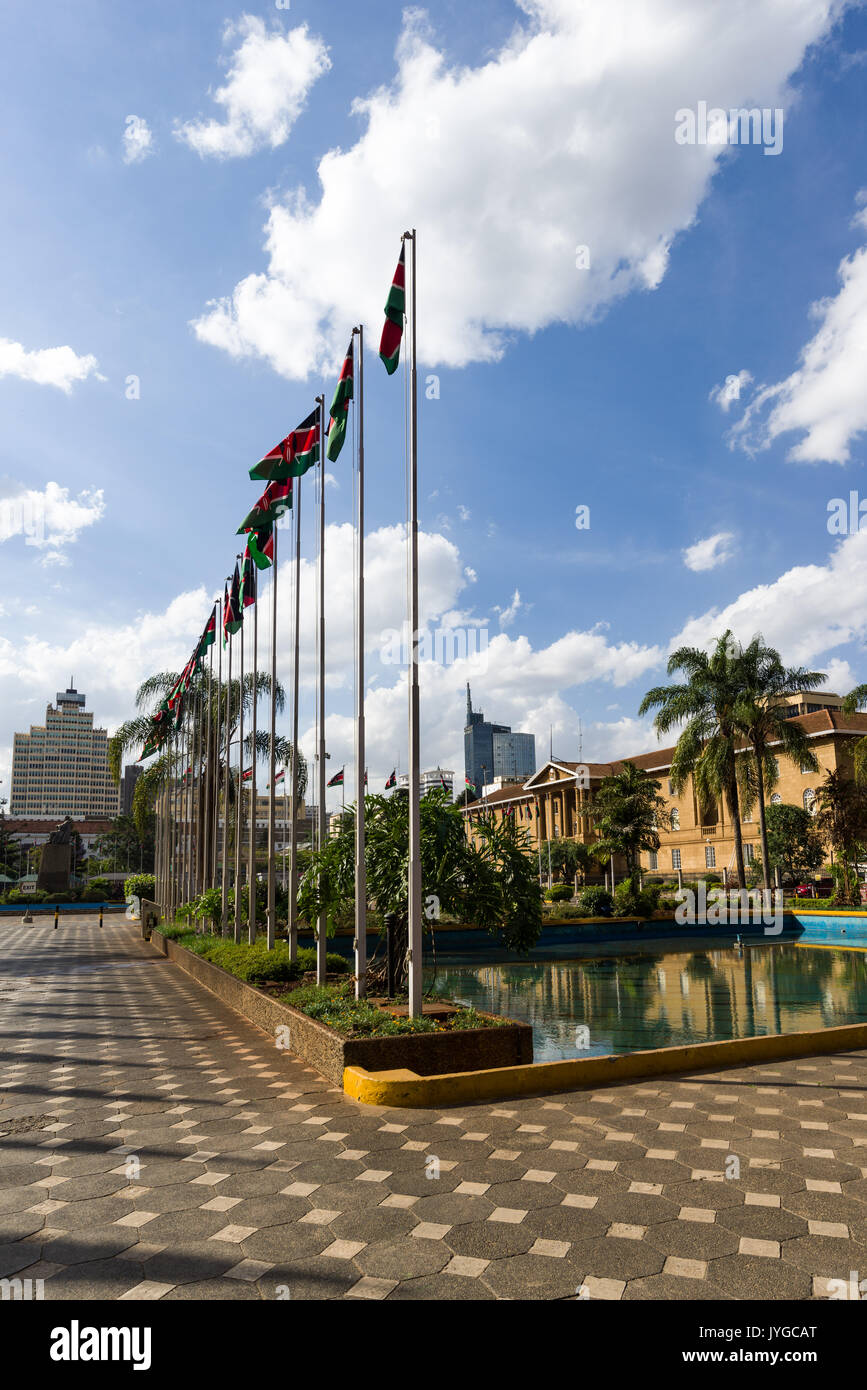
[653,999]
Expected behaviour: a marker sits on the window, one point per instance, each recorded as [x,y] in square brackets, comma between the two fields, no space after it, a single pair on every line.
[749,851]
[709,857]
[674,819]
[653,859]
[810,801]
[670,787]
[747,818]
[805,768]
[675,858]
[776,799]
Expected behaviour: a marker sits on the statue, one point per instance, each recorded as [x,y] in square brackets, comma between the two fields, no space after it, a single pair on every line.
[55,866]
[64,832]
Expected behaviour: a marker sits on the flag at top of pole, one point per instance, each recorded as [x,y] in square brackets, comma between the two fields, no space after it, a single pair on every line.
[292,457]
[260,546]
[340,406]
[337,779]
[395,308]
[275,500]
[232,618]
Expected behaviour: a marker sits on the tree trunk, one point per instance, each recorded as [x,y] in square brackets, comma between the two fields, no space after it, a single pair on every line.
[763,825]
[735,810]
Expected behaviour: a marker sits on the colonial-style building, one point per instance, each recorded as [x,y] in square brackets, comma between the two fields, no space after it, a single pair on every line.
[694,838]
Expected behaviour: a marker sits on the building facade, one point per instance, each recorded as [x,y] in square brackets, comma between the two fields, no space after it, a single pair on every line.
[437,777]
[61,767]
[694,838]
[494,751]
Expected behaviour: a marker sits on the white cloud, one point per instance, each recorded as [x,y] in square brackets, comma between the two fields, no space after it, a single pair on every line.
[709,553]
[138,141]
[60,366]
[566,136]
[463,512]
[269,79]
[823,400]
[730,391]
[808,611]
[49,519]
[508,615]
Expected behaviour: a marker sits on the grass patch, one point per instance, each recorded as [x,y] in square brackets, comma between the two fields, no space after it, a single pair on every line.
[336,1006]
[255,965]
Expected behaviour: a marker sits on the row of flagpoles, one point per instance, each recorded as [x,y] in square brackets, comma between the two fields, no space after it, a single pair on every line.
[188,861]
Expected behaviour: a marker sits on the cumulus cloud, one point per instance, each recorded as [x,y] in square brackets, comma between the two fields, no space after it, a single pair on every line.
[730,391]
[709,553]
[566,138]
[269,79]
[808,611]
[48,520]
[823,400]
[138,141]
[60,366]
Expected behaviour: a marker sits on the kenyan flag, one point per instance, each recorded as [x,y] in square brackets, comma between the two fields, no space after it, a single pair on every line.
[208,637]
[340,406]
[280,775]
[260,545]
[149,749]
[293,455]
[248,581]
[232,616]
[472,786]
[245,776]
[395,307]
[392,781]
[337,779]
[275,500]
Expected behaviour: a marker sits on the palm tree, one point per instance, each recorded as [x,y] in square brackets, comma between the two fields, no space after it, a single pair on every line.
[761,717]
[855,700]
[705,705]
[625,811]
[842,820]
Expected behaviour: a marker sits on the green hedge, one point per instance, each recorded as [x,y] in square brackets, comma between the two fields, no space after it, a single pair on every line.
[255,964]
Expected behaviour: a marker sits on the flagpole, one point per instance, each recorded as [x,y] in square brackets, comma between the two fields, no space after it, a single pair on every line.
[322,921]
[215,769]
[293,844]
[251,872]
[272,884]
[360,754]
[240,797]
[224,920]
[285,827]
[414,871]
[209,764]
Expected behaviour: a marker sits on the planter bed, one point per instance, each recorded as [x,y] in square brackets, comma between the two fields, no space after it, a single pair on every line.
[322,1047]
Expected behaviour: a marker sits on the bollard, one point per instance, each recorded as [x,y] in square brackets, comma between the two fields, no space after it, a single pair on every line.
[100,916]
[56,916]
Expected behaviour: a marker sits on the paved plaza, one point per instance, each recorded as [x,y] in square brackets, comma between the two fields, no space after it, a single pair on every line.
[155,1145]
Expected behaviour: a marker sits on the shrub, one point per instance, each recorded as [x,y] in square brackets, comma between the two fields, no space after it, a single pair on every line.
[15,895]
[596,902]
[140,886]
[559,893]
[101,890]
[630,901]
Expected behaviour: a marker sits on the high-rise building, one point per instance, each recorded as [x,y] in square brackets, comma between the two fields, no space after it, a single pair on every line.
[492,750]
[430,781]
[61,767]
[130,776]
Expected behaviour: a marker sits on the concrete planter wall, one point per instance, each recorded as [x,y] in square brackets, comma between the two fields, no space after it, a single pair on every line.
[427,1054]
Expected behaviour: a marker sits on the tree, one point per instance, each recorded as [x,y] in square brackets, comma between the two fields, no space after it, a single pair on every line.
[707,747]
[567,857]
[855,700]
[841,818]
[6,843]
[794,844]
[761,717]
[492,881]
[625,811]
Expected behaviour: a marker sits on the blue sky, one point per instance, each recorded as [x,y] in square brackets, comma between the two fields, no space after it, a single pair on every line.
[509,137]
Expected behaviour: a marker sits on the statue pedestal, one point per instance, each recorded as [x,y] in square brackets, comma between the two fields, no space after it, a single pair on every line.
[54,868]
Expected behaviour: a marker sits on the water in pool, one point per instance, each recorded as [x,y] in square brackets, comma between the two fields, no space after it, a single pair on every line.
[650,998]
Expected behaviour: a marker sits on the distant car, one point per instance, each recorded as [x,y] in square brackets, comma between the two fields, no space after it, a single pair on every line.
[805,890]
[822,889]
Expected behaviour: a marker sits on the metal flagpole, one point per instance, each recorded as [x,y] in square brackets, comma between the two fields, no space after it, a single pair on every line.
[293,844]
[215,767]
[251,872]
[322,921]
[239,802]
[207,777]
[272,765]
[414,871]
[285,826]
[360,868]
[224,918]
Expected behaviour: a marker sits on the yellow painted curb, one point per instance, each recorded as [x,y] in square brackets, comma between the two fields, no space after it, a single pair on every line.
[828,946]
[407,1089]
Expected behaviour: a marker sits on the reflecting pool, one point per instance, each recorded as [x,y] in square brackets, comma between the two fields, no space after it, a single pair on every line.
[648,998]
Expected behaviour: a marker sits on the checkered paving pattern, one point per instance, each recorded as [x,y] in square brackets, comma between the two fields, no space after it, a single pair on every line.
[155,1145]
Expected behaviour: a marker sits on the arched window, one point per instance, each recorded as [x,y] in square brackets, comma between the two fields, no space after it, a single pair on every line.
[776,799]
[674,819]
[810,801]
